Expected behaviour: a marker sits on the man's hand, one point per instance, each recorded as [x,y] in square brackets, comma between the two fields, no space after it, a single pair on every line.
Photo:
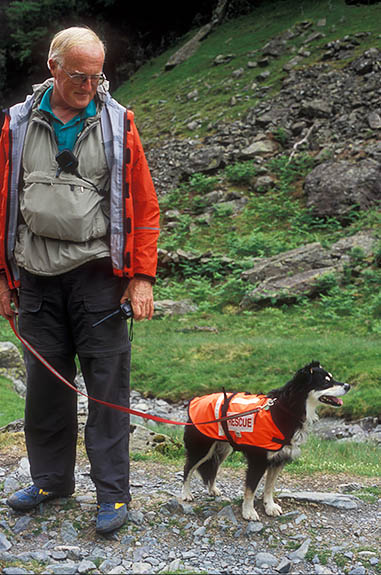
[7,297]
[140,294]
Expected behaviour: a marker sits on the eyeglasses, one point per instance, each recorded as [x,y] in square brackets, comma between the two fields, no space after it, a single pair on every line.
[79,79]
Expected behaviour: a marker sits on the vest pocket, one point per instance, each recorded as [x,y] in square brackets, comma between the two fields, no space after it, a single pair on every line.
[63,208]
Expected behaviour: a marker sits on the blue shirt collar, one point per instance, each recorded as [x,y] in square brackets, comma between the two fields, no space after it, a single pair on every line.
[45,106]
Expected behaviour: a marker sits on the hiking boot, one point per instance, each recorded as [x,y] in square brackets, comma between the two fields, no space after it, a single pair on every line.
[111,516]
[30,497]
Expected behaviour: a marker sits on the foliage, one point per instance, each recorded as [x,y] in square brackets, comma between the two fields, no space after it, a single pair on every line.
[12,406]
[240,172]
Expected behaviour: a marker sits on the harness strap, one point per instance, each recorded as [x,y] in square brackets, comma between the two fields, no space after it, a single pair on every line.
[224,409]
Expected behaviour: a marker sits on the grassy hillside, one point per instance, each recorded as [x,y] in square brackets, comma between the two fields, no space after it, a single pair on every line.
[159,97]
[252,350]
[219,345]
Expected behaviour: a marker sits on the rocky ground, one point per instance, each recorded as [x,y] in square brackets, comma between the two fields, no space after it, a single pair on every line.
[328,524]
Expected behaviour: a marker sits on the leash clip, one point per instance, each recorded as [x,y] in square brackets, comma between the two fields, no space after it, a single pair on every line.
[270,403]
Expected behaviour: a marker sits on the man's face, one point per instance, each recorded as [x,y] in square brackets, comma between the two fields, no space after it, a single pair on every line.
[82,60]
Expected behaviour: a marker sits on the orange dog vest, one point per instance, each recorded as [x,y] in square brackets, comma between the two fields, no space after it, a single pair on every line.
[256,429]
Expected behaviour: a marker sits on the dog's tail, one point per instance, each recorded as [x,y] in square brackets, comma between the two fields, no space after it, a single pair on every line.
[208,469]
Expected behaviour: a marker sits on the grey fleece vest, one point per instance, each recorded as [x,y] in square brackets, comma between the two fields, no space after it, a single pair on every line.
[112,129]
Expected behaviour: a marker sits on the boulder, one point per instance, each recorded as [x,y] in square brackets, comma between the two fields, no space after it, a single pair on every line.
[336,188]
[261,147]
[309,257]
[284,277]
[286,289]
[171,307]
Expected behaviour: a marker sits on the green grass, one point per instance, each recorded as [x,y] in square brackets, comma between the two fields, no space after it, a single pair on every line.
[12,406]
[335,457]
[317,456]
[253,351]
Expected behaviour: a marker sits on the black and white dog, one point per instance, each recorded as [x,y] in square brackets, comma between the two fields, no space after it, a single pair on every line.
[291,408]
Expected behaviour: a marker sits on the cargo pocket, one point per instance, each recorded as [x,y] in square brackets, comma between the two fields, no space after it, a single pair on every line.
[30,302]
[109,337]
[29,320]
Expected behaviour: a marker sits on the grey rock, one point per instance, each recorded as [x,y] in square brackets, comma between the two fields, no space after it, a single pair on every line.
[140,568]
[300,553]
[223,59]
[357,570]
[172,307]
[228,513]
[68,532]
[15,571]
[339,500]
[284,566]
[85,566]
[262,147]
[286,289]
[62,569]
[22,524]
[334,188]
[374,120]
[200,532]
[135,516]
[254,527]
[262,559]
[10,485]
[107,565]
[322,570]
[5,545]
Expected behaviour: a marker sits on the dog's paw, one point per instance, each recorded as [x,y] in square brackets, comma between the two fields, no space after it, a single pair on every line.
[273,509]
[214,491]
[187,496]
[249,514]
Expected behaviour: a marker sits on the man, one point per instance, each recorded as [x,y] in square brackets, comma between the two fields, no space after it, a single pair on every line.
[74,245]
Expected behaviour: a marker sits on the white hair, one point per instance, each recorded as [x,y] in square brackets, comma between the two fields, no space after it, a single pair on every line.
[74,37]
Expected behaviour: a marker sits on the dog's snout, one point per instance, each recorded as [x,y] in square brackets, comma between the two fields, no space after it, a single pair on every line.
[347,387]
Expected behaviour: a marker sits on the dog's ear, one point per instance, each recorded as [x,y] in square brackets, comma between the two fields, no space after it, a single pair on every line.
[303,375]
[312,365]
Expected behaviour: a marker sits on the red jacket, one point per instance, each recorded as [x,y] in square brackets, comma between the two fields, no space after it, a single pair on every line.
[134,208]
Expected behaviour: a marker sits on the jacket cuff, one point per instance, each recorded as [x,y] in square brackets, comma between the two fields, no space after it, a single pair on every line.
[151,279]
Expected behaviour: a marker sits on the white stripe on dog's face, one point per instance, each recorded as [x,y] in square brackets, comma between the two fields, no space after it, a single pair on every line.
[330,395]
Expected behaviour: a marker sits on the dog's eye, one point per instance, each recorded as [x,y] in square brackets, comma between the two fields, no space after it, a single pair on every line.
[328,377]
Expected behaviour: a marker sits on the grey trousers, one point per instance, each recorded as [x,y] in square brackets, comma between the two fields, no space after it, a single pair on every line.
[56,315]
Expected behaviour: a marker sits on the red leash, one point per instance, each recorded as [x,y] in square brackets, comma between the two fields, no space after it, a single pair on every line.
[121,407]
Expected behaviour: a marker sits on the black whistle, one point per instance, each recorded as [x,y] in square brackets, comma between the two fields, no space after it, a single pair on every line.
[125,311]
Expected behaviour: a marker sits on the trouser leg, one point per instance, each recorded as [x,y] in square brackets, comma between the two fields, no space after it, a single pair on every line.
[107,430]
[51,424]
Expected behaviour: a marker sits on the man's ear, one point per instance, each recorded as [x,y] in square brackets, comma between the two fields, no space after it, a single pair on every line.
[52,65]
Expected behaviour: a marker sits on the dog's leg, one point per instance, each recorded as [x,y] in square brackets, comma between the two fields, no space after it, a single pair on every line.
[255,470]
[271,508]
[193,462]
[220,454]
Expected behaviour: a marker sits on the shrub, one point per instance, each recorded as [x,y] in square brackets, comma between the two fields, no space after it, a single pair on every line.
[240,173]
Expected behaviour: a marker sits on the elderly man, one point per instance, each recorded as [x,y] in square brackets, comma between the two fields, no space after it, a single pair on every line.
[76,243]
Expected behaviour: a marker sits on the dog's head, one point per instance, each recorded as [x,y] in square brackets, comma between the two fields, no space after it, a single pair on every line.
[321,385]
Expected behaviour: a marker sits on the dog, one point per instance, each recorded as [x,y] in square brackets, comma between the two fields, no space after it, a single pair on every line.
[269,435]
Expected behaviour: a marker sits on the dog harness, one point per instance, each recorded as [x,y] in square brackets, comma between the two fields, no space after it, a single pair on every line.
[257,429]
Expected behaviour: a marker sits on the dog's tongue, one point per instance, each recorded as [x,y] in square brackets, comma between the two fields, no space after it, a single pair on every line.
[330,399]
